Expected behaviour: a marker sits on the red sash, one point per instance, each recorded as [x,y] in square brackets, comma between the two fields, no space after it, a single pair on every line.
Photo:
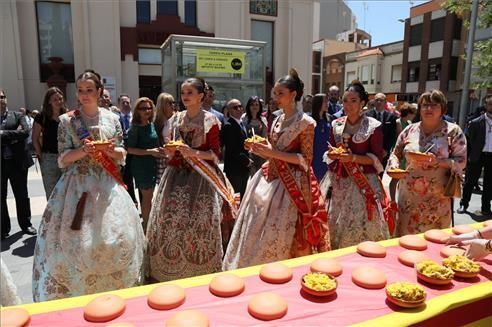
[385,208]
[312,215]
[98,156]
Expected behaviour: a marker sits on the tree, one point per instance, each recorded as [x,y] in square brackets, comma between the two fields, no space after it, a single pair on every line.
[482,56]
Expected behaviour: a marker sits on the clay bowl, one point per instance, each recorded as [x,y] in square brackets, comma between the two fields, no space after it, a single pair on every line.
[397,174]
[101,145]
[314,292]
[418,156]
[433,281]
[403,303]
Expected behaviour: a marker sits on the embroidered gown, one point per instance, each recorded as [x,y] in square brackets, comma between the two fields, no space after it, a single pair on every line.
[347,212]
[268,219]
[107,252]
[421,201]
[184,229]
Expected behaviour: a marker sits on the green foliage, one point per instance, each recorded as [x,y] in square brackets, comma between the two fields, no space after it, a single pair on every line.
[482,57]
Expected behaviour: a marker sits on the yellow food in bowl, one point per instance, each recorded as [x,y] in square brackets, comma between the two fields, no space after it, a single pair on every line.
[461,263]
[175,143]
[339,150]
[319,281]
[396,170]
[433,270]
[255,139]
[101,142]
[406,291]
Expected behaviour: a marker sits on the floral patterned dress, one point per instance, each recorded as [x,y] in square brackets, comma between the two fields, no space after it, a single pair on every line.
[421,201]
[266,225]
[107,252]
[347,211]
[184,229]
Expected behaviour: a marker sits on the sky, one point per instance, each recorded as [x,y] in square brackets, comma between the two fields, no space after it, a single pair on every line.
[380,19]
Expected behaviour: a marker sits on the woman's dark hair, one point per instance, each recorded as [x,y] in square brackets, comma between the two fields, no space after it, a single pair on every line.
[91,75]
[407,109]
[358,88]
[293,83]
[198,84]
[251,100]
[47,109]
[434,96]
[316,106]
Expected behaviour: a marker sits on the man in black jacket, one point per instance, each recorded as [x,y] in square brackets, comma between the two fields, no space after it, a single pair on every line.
[388,121]
[16,160]
[236,158]
[480,156]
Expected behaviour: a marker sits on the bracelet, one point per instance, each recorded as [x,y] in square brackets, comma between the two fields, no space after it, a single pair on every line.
[488,246]
[479,235]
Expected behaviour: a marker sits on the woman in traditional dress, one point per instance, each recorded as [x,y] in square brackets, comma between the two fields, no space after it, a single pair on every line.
[193,198]
[353,189]
[282,214]
[44,137]
[255,124]
[142,144]
[90,239]
[422,204]
[319,110]
[165,109]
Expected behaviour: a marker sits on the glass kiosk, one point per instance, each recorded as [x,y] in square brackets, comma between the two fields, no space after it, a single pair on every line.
[234,68]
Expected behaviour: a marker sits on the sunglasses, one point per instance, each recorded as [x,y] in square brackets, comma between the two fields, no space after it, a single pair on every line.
[144,108]
[237,106]
[3,97]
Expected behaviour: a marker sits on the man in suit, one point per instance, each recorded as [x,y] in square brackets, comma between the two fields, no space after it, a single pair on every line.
[388,121]
[480,156]
[208,101]
[16,160]
[236,158]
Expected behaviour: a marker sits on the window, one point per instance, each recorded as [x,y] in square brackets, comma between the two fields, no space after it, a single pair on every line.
[437,30]
[316,62]
[458,23]
[263,7]
[143,11]
[54,20]
[350,77]
[434,71]
[413,71]
[395,73]
[416,34]
[190,12]
[149,56]
[453,68]
[263,31]
[167,7]
[364,75]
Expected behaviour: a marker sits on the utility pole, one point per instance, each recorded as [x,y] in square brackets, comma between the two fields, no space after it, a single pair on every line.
[468,65]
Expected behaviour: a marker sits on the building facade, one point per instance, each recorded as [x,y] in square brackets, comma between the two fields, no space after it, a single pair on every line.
[51,42]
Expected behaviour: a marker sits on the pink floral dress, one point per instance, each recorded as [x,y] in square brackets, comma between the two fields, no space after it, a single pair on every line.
[421,201]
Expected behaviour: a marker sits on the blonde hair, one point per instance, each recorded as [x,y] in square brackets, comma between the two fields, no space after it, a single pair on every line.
[137,115]
[162,101]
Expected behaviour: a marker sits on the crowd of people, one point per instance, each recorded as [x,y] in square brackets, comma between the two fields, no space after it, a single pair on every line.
[311,183]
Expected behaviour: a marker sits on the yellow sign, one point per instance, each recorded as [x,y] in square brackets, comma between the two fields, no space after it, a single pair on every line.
[219,61]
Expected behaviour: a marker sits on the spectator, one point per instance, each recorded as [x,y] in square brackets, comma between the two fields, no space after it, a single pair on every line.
[333,103]
[269,113]
[480,157]
[275,222]
[321,134]
[16,160]
[143,145]
[354,191]
[45,137]
[90,238]
[388,121]
[30,123]
[422,204]
[254,121]
[307,102]
[165,111]
[208,102]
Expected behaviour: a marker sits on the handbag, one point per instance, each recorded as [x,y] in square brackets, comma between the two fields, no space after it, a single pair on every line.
[453,187]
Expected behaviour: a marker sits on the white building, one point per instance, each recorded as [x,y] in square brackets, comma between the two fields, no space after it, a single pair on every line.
[120,40]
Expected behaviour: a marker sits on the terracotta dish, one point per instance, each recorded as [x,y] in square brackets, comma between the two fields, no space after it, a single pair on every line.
[462,266]
[413,242]
[267,306]
[319,284]
[226,285]
[450,250]
[418,156]
[411,257]
[436,236]
[397,173]
[371,249]
[275,273]
[368,277]
[101,145]
[406,294]
[166,297]
[328,266]
[462,229]
[188,318]
[433,273]
[14,317]
[104,308]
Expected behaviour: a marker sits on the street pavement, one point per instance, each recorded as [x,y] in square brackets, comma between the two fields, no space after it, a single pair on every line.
[17,250]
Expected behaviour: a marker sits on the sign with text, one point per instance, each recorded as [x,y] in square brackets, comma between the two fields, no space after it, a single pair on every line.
[219,61]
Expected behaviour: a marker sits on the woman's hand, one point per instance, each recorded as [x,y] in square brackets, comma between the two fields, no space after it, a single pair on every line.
[477,248]
[88,147]
[431,163]
[186,151]
[262,149]
[459,239]
[157,152]
[346,157]
[333,156]
[111,147]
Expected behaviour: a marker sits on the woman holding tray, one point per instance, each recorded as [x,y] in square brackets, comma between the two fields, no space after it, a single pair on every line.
[90,239]
[282,215]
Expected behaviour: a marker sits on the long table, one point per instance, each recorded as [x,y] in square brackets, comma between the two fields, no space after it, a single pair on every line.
[463,302]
